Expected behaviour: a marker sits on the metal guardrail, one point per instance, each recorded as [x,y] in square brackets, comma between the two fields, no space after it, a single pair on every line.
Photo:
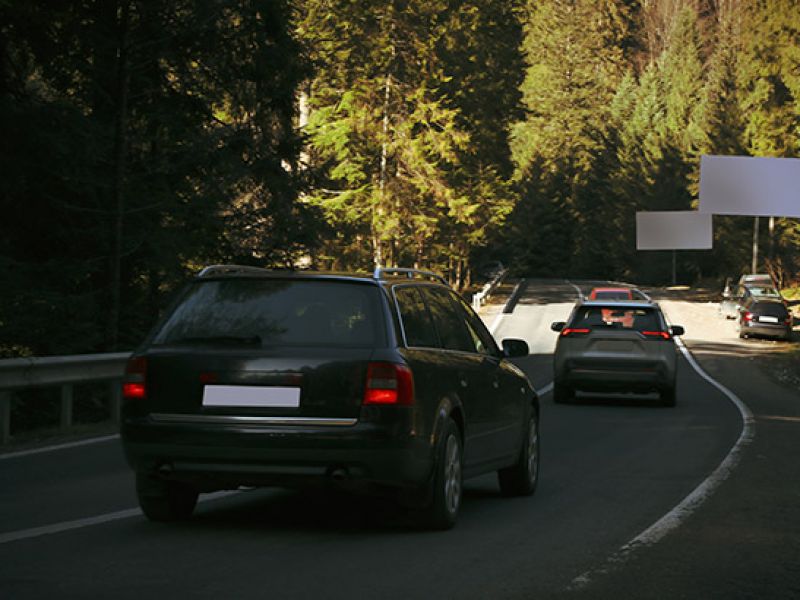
[62,371]
[481,297]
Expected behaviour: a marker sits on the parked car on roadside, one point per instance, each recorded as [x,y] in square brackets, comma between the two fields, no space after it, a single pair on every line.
[615,347]
[384,383]
[765,317]
[732,302]
[756,279]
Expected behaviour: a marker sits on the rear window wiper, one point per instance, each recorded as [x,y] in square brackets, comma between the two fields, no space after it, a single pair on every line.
[249,340]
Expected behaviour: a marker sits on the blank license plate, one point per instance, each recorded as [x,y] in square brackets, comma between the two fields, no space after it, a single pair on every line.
[251,396]
[768,319]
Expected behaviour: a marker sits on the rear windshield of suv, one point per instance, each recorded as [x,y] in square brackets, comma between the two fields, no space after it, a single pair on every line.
[266,312]
[617,317]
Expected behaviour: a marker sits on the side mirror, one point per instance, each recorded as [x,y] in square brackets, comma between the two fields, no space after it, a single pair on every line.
[513,348]
[557,325]
[677,330]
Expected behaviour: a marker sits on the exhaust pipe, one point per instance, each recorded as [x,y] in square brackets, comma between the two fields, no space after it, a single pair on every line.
[339,474]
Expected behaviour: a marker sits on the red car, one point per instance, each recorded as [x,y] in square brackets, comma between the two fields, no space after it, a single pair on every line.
[609,293]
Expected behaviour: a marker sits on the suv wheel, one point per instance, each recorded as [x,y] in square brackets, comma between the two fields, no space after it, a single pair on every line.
[562,394]
[164,500]
[442,511]
[668,396]
[520,479]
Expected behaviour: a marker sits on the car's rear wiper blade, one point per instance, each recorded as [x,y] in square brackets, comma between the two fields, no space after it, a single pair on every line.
[250,340]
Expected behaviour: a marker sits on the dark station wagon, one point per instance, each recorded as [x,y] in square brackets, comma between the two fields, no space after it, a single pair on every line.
[382,383]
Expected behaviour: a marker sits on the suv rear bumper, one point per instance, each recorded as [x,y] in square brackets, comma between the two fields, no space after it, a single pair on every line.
[219,456]
[632,376]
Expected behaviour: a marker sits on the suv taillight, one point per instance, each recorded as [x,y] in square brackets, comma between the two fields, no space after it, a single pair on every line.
[748,316]
[389,383]
[135,380]
[574,331]
[659,335]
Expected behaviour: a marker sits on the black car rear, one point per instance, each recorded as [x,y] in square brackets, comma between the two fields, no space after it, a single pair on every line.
[269,378]
[766,318]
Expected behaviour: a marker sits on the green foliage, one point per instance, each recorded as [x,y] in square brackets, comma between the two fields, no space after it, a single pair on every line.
[142,140]
[611,130]
[408,158]
[576,53]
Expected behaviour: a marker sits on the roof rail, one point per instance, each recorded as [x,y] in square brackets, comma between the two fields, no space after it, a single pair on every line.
[409,273]
[214,270]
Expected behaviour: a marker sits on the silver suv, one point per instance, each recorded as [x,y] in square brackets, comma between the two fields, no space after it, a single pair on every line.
[617,347]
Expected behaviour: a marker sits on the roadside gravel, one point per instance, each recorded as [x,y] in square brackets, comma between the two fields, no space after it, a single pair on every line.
[705,327]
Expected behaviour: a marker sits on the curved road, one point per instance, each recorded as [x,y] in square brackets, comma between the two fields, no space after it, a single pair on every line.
[611,467]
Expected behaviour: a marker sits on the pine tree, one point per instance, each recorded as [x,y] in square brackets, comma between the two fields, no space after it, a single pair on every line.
[576,51]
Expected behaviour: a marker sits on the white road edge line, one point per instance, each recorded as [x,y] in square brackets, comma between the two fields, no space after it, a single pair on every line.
[25,534]
[675,517]
[577,289]
[95,440]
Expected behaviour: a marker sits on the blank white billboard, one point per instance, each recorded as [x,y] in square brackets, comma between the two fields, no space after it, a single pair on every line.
[673,230]
[752,186]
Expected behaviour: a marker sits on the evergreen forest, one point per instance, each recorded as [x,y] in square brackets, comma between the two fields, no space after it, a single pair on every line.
[145,139]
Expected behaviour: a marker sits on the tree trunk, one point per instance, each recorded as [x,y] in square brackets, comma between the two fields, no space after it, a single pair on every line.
[119,158]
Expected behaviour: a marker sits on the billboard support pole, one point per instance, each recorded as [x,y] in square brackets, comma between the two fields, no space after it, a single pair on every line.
[674,270]
[754,264]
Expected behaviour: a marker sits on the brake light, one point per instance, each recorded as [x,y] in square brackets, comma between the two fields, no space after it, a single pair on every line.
[135,380]
[664,335]
[574,331]
[748,316]
[389,383]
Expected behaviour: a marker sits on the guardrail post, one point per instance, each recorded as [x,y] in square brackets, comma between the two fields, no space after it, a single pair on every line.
[5,416]
[66,405]
[115,402]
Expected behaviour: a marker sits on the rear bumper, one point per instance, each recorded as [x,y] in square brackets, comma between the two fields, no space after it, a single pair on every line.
[226,455]
[777,330]
[619,376]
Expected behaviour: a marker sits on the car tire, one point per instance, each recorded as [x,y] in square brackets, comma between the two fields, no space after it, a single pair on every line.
[668,396]
[520,479]
[562,394]
[164,500]
[442,511]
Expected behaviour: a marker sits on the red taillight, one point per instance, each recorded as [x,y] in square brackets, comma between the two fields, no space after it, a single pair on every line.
[664,335]
[389,383]
[574,331]
[748,316]
[134,382]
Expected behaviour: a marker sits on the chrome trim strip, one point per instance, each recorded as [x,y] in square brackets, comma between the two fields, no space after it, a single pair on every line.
[233,420]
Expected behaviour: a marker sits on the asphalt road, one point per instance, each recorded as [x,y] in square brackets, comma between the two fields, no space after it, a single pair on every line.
[612,466]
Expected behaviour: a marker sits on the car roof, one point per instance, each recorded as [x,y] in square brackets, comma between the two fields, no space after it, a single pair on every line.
[619,303]
[379,276]
[755,277]
[612,289]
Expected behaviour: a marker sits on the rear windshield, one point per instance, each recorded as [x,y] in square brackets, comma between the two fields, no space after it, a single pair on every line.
[770,309]
[764,291]
[612,295]
[263,312]
[617,317]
